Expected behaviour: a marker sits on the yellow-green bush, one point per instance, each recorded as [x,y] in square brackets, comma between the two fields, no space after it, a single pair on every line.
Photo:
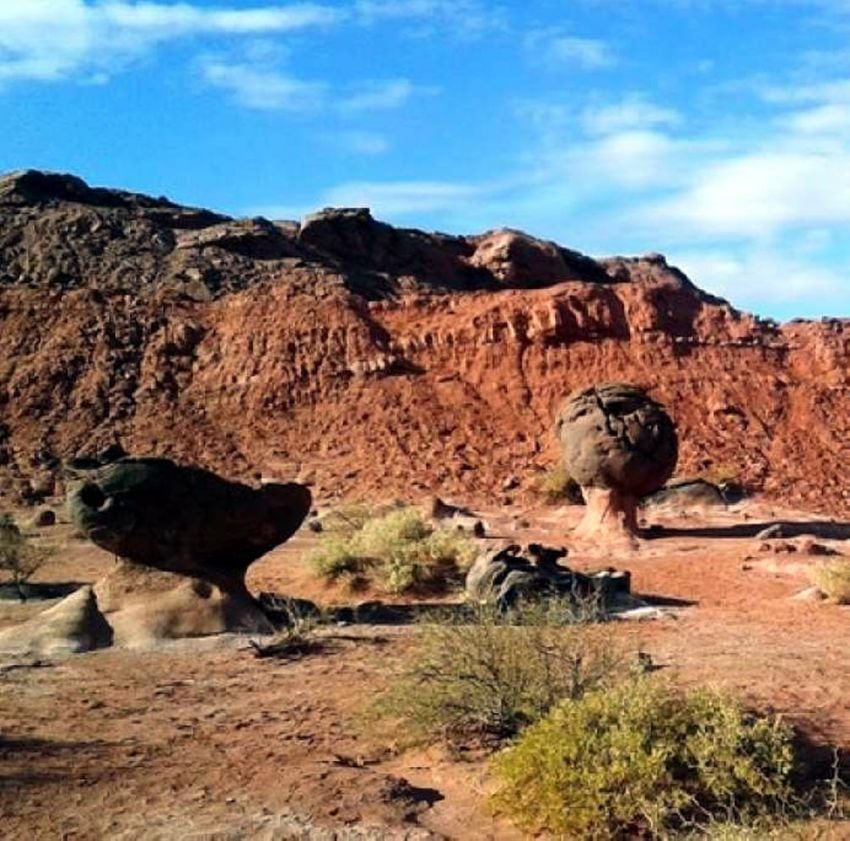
[557,486]
[395,552]
[483,676]
[833,579]
[19,559]
[643,758]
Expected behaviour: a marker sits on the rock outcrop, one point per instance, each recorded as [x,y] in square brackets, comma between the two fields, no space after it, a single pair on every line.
[509,574]
[377,360]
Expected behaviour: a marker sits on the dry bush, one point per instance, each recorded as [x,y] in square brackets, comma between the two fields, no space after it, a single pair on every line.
[833,579]
[395,551]
[19,559]
[557,486]
[296,639]
[481,677]
[642,759]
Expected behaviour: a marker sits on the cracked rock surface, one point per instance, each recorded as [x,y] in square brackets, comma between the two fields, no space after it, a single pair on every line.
[617,437]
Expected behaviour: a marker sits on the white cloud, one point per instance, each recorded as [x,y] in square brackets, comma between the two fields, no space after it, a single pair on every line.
[400,198]
[746,276]
[628,114]
[589,53]
[378,95]
[460,18]
[556,49]
[361,142]
[49,40]
[268,90]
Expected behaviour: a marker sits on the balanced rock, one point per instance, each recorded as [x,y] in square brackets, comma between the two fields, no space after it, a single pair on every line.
[619,445]
[181,519]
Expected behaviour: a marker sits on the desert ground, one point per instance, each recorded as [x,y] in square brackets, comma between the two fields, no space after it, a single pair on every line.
[202,739]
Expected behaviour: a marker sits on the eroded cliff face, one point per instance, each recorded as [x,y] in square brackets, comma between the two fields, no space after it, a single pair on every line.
[376,361]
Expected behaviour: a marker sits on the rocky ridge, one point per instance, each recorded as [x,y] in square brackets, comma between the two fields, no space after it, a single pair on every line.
[375,360]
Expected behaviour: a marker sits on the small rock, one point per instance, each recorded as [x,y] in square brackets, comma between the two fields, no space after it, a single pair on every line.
[812,547]
[44,517]
[510,483]
[771,532]
[810,594]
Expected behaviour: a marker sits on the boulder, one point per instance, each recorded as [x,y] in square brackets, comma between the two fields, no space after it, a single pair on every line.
[619,445]
[183,519]
[44,517]
[72,626]
[686,494]
[504,575]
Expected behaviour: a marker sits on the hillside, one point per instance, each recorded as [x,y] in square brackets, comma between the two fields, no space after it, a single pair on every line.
[376,360]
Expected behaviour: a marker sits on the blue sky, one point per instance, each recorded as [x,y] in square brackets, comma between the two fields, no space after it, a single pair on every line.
[715,132]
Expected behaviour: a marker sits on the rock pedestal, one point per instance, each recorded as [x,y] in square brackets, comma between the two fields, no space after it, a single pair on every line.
[619,445]
[184,538]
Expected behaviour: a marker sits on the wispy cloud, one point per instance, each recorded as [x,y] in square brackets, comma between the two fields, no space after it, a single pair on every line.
[458,18]
[379,95]
[267,90]
[632,112]
[360,142]
[50,40]
[400,198]
[555,49]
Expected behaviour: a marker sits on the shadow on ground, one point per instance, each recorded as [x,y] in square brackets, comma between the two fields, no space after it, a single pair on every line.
[824,529]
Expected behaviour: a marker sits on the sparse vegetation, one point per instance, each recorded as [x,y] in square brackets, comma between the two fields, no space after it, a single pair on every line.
[833,579]
[645,759]
[19,559]
[296,639]
[482,677]
[394,551]
[557,486]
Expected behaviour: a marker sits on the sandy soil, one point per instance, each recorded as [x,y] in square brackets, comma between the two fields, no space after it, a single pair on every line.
[202,740]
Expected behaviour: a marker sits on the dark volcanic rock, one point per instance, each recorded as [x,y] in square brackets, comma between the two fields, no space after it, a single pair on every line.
[689,492]
[183,519]
[509,573]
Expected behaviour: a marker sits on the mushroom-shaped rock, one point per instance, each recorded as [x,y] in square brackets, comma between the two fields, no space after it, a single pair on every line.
[619,445]
[183,519]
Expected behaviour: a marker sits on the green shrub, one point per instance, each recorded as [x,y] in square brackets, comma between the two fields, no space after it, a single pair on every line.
[557,486]
[396,551]
[481,677]
[19,559]
[833,579]
[642,758]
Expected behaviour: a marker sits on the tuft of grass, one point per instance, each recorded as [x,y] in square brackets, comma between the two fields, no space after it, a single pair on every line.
[833,579]
[557,486]
[395,551]
[644,759]
[19,559]
[480,677]
[296,639]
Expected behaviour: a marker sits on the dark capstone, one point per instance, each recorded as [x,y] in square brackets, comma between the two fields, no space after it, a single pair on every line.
[154,512]
[616,436]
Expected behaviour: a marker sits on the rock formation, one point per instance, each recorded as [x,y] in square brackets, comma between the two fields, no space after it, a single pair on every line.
[176,518]
[619,445]
[509,573]
[378,360]
[185,537]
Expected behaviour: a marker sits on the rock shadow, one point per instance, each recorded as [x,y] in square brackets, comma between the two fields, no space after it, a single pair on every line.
[825,529]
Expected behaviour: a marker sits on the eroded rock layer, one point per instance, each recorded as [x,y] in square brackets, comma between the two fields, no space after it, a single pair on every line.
[373,360]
